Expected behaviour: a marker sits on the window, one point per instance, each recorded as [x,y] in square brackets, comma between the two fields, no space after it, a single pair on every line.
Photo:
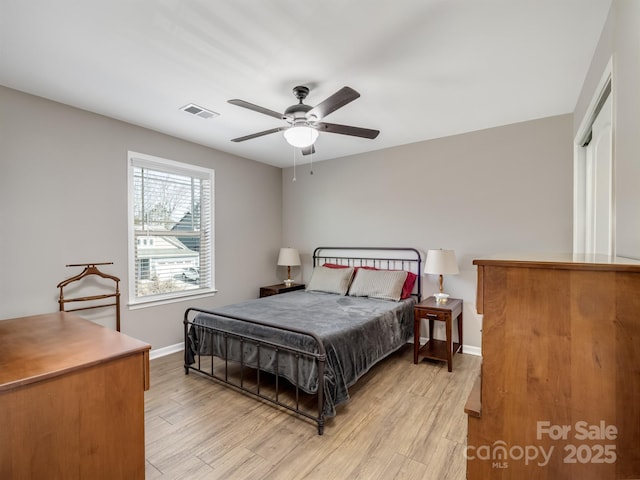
[170,229]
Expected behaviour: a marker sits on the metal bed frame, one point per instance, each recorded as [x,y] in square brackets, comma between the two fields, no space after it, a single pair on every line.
[378,257]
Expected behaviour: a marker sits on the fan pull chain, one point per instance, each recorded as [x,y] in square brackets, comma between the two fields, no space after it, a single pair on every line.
[311,171]
[294,165]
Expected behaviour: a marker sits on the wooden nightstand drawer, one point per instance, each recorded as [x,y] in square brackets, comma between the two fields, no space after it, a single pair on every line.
[432,315]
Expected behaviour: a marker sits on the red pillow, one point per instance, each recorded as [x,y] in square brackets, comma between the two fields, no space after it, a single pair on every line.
[407,288]
[355,269]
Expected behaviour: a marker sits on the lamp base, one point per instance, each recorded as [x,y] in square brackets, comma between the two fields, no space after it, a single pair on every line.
[441,297]
[288,282]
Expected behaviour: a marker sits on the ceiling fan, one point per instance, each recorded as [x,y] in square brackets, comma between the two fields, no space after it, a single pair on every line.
[304,121]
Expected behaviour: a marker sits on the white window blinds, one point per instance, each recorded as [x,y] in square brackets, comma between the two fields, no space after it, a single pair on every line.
[171,229]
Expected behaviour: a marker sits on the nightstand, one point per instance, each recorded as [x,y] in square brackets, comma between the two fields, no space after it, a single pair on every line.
[279,288]
[443,312]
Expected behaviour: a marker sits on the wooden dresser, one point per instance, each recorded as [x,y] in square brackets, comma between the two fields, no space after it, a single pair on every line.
[71,400]
[559,393]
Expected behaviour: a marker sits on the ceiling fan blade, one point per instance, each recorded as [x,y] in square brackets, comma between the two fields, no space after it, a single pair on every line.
[259,134]
[308,150]
[256,108]
[347,130]
[331,104]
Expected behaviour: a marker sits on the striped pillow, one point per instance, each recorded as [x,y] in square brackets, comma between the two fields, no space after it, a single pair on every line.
[384,284]
[330,280]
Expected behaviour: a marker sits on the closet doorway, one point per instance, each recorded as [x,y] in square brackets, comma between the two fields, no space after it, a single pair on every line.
[594,220]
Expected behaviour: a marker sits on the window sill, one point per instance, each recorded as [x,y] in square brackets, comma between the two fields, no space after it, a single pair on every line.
[139,304]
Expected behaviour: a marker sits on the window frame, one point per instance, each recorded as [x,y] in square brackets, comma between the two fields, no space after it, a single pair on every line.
[141,160]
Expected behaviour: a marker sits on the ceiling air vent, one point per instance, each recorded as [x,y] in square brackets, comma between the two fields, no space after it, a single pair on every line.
[198,111]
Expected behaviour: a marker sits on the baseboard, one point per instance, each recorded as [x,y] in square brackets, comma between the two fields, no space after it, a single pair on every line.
[471,350]
[161,352]
[468,349]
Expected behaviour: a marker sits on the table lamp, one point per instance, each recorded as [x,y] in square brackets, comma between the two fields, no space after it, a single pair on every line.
[441,262]
[288,257]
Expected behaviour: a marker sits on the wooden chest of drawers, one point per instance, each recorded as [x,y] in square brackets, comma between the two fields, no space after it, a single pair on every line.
[560,372]
[71,400]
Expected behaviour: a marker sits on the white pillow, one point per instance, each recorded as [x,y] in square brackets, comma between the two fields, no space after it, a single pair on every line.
[384,284]
[330,280]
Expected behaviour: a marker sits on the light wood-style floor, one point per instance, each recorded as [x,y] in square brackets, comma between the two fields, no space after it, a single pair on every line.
[403,421]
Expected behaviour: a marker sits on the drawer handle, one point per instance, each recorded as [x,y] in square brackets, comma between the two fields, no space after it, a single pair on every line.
[432,315]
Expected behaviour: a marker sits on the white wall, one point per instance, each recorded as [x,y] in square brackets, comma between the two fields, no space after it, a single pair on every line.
[505,189]
[620,40]
[63,199]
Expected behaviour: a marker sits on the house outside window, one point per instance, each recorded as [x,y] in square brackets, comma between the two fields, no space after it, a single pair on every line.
[170,230]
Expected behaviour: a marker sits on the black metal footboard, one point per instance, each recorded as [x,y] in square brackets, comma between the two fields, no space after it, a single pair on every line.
[222,362]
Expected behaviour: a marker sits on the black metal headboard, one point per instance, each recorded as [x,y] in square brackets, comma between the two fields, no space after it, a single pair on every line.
[387,258]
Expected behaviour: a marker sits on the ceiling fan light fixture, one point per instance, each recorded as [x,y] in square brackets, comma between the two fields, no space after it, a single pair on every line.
[305,121]
[301,136]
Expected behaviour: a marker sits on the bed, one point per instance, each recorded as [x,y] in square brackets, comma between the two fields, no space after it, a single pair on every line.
[302,350]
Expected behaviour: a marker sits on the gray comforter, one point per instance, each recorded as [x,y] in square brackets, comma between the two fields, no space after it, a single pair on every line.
[356,332]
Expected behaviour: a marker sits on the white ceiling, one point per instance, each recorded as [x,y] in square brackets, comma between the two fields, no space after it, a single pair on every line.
[424,68]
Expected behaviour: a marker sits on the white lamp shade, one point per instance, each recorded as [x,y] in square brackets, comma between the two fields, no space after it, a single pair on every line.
[288,257]
[301,136]
[441,262]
